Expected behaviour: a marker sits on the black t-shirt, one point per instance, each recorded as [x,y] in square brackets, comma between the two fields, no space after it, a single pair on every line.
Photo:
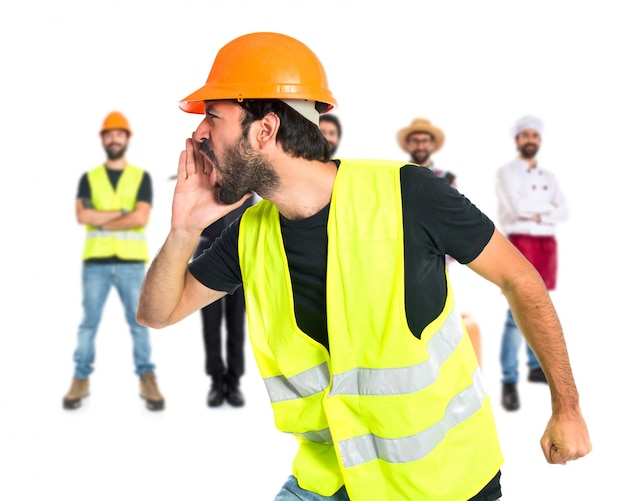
[144,194]
[438,220]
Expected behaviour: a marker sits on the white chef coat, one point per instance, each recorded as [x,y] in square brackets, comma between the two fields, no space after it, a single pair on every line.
[523,192]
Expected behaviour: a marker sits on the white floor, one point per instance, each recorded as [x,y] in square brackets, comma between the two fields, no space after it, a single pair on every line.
[113,448]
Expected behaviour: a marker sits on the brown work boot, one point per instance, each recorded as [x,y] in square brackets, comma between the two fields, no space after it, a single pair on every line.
[78,391]
[149,391]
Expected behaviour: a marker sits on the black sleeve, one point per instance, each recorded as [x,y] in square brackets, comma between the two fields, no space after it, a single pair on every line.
[84,190]
[218,267]
[444,219]
[145,189]
[438,221]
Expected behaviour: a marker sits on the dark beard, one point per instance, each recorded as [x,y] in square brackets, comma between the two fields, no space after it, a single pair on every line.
[243,170]
[529,151]
[115,155]
[419,161]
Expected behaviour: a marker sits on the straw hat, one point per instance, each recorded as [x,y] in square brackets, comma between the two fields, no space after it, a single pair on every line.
[421,125]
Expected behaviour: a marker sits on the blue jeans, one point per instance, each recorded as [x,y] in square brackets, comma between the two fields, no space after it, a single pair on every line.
[97,282]
[511,340]
[292,491]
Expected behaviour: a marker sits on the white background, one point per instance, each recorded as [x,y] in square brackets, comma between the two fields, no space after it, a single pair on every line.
[472,68]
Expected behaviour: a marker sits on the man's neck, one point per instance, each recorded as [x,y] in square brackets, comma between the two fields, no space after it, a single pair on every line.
[428,163]
[118,164]
[532,162]
[305,188]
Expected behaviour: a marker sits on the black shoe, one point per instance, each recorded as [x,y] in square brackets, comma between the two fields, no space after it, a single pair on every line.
[510,398]
[216,394]
[537,376]
[234,396]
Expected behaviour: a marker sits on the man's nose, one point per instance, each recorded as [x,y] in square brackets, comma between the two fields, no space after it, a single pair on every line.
[201,133]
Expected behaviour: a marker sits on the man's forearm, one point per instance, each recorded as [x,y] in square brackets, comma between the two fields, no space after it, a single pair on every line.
[537,319]
[164,282]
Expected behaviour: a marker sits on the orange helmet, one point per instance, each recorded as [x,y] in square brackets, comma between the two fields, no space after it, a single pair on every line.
[115,120]
[263,66]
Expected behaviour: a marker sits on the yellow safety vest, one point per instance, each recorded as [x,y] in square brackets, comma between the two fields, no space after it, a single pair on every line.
[391,416]
[129,244]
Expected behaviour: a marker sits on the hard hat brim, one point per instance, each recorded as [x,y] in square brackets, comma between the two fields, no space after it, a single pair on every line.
[194,102]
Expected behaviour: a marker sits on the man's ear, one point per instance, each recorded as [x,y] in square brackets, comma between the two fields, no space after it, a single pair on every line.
[267,129]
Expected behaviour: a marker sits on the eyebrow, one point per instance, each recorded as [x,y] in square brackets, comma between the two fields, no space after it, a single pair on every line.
[209,107]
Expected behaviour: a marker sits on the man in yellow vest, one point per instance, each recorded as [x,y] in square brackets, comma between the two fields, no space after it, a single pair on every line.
[351,318]
[114,202]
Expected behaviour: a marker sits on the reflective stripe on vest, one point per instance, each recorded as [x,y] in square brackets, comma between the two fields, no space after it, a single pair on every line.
[307,383]
[380,382]
[366,448]
[361,381]
[118,235]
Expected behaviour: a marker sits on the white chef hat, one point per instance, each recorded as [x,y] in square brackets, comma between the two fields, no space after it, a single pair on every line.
[527,122]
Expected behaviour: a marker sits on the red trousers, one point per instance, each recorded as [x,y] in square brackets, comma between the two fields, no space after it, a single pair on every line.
[541,251]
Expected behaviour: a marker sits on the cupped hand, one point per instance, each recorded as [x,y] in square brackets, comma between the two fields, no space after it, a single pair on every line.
[196,204]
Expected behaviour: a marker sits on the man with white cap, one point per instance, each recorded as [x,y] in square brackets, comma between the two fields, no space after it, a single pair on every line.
[530,205]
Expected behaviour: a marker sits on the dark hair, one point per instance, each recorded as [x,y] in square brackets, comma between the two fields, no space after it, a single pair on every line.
[329,117]
[297,135]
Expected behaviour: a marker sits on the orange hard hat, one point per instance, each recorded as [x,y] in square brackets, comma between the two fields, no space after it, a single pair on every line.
[115,120]
[263,66]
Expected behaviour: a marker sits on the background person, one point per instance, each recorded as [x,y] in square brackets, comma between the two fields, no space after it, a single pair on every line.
[231,309]
[330,125]
[114,203]
[530,206]
[420,140]
[225,376]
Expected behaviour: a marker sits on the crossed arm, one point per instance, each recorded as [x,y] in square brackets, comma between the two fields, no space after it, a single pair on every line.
[113,219]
